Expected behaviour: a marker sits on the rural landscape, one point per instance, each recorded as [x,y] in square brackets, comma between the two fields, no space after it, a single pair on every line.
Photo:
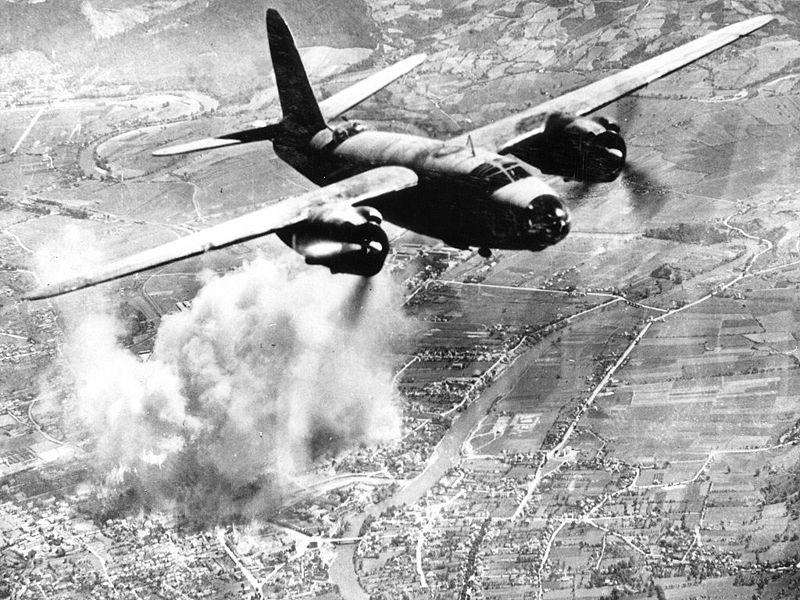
[613,417]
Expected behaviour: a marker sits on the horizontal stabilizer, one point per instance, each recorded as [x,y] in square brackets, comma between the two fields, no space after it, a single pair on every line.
[341,102]
[245,136]
[366,186]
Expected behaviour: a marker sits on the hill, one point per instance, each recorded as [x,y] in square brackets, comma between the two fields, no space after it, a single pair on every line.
[160,44]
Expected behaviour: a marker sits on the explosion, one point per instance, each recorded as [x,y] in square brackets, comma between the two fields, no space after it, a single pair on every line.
[272,367]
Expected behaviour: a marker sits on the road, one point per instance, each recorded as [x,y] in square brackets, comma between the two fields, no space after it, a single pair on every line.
[28,129]
[16,238]
[195,203]
[102,562]
[242,568]
[546,555]
[346,479]
[560,292]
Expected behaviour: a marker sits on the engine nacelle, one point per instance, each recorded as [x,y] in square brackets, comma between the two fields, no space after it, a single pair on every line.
[348,240]
[588,149]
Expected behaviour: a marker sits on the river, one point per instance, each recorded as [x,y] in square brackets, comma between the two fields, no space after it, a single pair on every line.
[447,454]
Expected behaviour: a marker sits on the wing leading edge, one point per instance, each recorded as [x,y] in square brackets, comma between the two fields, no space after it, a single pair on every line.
[372,184]
[510,131]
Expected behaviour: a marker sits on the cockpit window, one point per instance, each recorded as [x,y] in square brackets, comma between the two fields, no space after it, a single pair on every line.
[517,173]
[493,174]
[500,173]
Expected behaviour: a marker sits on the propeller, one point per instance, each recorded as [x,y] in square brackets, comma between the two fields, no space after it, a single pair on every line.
[646,195]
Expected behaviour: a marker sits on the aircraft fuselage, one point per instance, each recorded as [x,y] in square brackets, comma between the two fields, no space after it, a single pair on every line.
[466,197]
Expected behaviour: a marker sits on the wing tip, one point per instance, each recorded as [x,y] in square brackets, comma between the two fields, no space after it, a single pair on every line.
[754,23]
[174,150]
[40,293]
[163,152]
[59,288]
[412,62]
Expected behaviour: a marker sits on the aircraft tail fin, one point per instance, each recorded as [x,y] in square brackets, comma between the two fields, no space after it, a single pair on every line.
[298,103]
[303,116]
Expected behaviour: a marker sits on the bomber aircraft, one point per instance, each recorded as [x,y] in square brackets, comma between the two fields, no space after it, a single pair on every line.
[484,189]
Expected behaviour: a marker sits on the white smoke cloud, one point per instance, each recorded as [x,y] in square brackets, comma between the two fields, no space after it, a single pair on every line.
[271,368]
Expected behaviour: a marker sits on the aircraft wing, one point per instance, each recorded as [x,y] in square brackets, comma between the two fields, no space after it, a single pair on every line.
[372,184]
[511,131]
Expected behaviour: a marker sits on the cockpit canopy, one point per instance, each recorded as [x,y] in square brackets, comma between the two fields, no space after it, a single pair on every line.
[500,172]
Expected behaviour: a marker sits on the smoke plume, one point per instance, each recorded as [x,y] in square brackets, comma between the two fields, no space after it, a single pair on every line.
[272,367]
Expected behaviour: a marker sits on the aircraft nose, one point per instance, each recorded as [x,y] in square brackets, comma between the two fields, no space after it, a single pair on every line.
[549,219]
